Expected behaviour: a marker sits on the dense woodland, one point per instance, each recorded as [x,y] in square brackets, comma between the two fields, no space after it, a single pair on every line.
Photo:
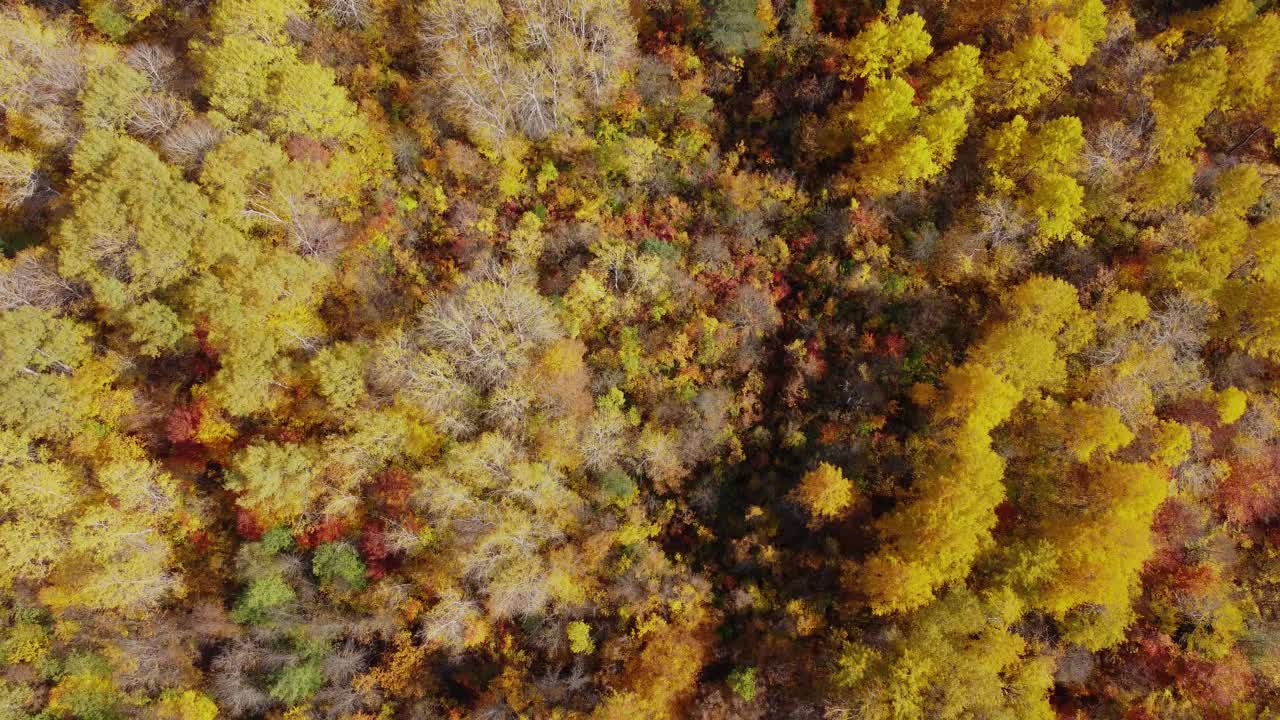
[648,360]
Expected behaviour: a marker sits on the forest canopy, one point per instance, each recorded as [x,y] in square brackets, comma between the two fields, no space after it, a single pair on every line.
[640,360]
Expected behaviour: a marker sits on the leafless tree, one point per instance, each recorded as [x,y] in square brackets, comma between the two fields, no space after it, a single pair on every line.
[54,64]
[446,622]
[154,61]
[602,442]
[344,663]
[569,57]
[1075,666]
[156,659]
[520,589]
[313,232]
[490,326]
[426,379]
[31,280]
[341,701]
[351,13]
[1109,149]
[156,114]
[1000,222]
[233,684]
[188,143]
[19,179]
[753,311]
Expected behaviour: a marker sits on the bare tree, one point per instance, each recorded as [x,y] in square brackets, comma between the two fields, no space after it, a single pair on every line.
[1000,222]
[520,589]
[156,62]
[1109,149]
[490,326]
[19,178]
[351,13]
[157,114]
[446,623]
[53,62]
[313,232]
[30,279]
[188,143]
[426,379]
[569,58]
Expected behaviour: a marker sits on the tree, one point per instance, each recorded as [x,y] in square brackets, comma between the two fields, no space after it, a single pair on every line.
[510,66]
[51,384]
[1040,61]
[339,374]
[1245,301]
[1253,61]
[1100,551]
[339,562]
[251,317]
[252,73]
[824,492]
[743,683]
[264,598]
[1181,98]
[114,562]
[490,326]
[36,496]
[275,481]
[134,221]
[110,94]
[897,144]
[957,658]
[1045,163]
[185,705]
[579,634]
[18,177]
[115,18]
[742,26]
[156,327]
[305,99]
[933,538]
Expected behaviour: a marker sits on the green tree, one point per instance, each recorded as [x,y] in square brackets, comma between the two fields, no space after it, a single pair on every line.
[339,562]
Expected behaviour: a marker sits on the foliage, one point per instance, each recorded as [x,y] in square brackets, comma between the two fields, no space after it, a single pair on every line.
[742,681]
[639,360]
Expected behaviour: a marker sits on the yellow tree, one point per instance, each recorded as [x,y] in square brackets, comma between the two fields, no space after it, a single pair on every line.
[252,73]
[1100,537]
[276,482]
[1182,96]
[1037,169]
[51,382]
[134,222]
[902,138]
[932,538]
[957,658]
[1060,36]
[825,493]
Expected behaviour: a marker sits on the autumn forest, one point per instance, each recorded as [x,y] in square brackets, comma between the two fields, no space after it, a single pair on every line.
[640,359]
